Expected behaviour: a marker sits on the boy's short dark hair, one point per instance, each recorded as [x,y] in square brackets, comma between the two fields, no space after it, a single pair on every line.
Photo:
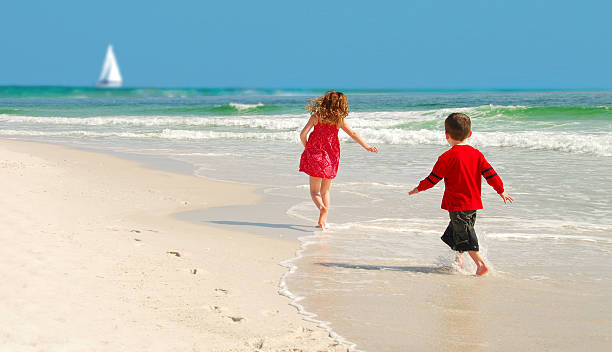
[458,126]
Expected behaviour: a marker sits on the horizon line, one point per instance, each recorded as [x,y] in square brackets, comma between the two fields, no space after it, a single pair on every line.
[377,89]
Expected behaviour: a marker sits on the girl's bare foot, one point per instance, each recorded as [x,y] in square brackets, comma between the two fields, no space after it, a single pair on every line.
[323,217]
[482,270]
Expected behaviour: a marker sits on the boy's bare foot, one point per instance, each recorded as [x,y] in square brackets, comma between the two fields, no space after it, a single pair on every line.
[459,261]
[480,263]
[323,217]
[482,270]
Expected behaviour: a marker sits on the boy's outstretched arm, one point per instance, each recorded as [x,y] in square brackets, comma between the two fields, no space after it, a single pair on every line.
[494,181]
[437,174]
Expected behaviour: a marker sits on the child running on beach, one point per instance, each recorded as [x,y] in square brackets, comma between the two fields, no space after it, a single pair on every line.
[462,167]
[321,155]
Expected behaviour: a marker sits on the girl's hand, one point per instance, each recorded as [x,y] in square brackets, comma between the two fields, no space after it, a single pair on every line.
[415,190]
[372,149]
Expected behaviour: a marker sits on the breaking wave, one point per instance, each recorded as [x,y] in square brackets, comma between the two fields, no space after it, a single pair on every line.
[499,126]
[597,144]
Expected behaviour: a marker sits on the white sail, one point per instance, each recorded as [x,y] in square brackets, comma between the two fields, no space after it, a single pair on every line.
[110,75]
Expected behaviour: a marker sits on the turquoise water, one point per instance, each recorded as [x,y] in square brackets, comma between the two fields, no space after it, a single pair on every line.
[59,101]
[552,149]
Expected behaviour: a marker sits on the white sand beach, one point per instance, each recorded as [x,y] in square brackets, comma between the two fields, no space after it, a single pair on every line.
[93,261]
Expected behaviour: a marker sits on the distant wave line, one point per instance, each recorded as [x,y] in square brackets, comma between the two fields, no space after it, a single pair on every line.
[597,144]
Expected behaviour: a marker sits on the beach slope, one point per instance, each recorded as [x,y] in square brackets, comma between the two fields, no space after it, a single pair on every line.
[92,260]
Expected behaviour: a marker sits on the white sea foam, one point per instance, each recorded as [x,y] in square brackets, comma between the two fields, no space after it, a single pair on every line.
[370,119]
[299,209]
[370,184]
[542,229]
[375,119]
[189,134]
[290,264]
[239,106]
[381,127]
[74,133]
[418,226]
[271,122]
[578,143]
[165,134]
[555,226]
[207,154]
[384,124]
[548,236]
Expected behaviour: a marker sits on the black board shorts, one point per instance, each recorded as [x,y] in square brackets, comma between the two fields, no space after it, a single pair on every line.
[460,235]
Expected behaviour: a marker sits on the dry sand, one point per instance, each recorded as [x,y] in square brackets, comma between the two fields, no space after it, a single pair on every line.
[93,261]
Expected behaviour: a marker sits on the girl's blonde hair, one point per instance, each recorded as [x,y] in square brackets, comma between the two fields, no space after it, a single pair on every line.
[330,109]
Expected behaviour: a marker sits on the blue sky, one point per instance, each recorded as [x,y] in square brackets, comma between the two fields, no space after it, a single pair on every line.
[311,44]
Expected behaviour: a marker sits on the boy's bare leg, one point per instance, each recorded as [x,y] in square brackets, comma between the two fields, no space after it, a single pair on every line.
[481,267]
[459,259]
[325,195]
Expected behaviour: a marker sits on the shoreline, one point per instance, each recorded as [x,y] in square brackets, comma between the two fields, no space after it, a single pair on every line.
[294,229]
[93,237]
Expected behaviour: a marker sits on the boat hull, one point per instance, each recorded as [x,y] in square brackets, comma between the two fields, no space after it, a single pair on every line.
[109,84]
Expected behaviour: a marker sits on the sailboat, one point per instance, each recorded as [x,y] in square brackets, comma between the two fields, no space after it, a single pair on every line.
[110,75]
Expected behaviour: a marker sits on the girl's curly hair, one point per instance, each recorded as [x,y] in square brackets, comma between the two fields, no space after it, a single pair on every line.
[330,109]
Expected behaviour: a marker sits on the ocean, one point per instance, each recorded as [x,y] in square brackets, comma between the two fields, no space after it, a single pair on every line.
[379,278]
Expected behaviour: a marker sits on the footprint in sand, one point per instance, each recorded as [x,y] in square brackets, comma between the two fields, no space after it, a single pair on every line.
[221,291]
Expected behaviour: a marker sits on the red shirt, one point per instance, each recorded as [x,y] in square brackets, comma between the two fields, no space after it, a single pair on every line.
[462,167]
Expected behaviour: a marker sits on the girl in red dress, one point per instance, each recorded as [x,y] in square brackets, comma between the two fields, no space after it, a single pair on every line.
[321,155]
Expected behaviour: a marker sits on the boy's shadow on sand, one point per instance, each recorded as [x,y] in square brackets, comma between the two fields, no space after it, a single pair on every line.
[446,270]
[302,228]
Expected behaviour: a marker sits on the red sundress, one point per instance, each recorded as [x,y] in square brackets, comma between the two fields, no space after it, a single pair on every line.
[321,156]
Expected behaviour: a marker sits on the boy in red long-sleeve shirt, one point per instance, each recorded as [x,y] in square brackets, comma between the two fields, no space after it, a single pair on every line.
[462,167]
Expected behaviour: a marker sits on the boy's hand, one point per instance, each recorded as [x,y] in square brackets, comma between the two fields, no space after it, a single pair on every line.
[415,190]
[372,149]
[506,198]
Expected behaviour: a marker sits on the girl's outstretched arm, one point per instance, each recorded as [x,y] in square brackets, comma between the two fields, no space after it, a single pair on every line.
[357,138]
[309,125]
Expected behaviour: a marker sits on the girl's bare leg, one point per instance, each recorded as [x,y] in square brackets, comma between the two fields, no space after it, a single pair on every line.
[315,194]
[325,195]
[481,267]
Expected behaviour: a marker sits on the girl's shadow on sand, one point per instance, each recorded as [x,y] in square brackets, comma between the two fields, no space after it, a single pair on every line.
[302,228]
[446,270]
